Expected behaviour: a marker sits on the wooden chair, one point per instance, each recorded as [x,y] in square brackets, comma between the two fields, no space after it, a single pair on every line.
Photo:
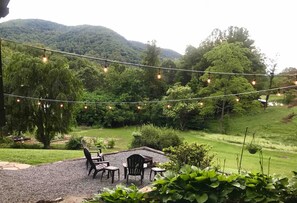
[135,166]
[96,166]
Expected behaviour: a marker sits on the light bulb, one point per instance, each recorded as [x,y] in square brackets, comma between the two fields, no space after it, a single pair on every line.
[254,82]
[208,80]
[237,99]
[159,76]
[61,105]
[168,106]
[105,69]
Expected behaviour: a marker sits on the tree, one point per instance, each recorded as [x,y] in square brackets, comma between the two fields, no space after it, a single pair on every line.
[230,58]
[180,111]
[155,87]
[51,82]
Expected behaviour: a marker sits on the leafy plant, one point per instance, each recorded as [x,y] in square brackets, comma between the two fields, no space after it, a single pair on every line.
[120,194]
[110,143]
[253,148]
[74,143]
[188,154]
[155,137]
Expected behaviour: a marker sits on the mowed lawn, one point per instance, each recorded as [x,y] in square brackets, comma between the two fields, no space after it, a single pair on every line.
[282,161]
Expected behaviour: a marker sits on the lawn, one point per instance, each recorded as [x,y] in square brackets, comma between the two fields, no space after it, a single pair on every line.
[225,149]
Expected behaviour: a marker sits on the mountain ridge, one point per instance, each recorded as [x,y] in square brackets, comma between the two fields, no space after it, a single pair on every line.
[97,41]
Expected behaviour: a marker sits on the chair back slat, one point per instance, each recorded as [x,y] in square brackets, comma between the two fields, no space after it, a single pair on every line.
[89,157]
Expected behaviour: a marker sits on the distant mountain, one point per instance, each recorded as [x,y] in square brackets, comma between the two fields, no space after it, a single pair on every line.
[90,40]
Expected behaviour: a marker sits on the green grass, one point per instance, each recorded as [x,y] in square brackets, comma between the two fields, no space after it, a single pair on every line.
[266,124]
[38,156]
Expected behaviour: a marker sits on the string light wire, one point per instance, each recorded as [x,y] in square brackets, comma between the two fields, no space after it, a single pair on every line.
[145,66]
[149,102]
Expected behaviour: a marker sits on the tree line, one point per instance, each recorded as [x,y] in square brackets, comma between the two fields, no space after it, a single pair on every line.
[76,79]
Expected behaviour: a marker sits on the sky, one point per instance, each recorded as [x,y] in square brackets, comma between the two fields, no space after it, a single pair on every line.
[176,24]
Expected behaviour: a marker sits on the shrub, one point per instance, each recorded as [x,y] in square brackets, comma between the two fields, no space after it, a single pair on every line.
[188,154]
[74,143]
[120,194]
[110,144]
[155,137]
[19,145]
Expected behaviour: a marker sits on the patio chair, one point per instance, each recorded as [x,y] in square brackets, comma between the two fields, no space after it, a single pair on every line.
[98,157]
[135,166]
[96,166]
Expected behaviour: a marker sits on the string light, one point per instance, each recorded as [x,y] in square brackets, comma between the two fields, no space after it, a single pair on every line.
[254,82]
[139,107]
[200,103]
[109,107]
[295,82]
[44,58]
[208,79]
[159,76]
[18,100]
[237,99]
[146,66]
[105,69]
[39,103]
[61,105]
[168,106]
[85,107]
[154,101]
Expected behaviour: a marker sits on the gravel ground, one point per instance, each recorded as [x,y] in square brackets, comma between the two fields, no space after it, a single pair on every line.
[66,178]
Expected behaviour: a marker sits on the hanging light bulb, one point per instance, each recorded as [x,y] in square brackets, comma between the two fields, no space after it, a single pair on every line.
[18,100]
[278,93]
[109,107]
[44,58]
[254,81]
[61,105]
[159,76]
[295,82]
[105,69]
[139,107]
[85,107]
[200,103]
[208,79]
[168,106]
[237,99]
[39,103]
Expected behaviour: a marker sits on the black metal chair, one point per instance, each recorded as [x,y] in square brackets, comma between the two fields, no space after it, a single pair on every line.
[96,166]
[135,166]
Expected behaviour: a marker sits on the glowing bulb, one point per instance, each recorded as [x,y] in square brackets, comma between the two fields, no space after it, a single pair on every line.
[159,76]
[168,106]
[237,99]
[61,105]
[18,100]
[39,103]
[254,82]
[208,80]
[44,59]
[109,107]
[278,94]
[200,103]
[295,82]
[138,107]
[105,69]
[85,107]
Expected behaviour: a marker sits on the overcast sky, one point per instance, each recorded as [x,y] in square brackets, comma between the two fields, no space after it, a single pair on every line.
[175,24]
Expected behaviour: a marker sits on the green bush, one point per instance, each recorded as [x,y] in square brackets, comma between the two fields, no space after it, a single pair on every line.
[74,143]
[120,194]
[111,143]
[155,137]
[188,154]
[192,184]
[195,185]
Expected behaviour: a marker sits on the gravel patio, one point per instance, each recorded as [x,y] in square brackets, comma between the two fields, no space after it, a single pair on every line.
[49,182]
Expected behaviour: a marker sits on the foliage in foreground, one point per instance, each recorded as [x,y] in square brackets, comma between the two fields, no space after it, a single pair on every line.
[188,154]
[155,137]
[192,184]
